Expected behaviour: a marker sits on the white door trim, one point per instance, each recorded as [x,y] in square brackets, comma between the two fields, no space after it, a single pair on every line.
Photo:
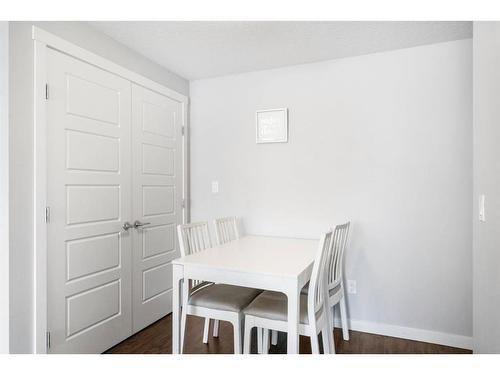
[4,187]
[41,41]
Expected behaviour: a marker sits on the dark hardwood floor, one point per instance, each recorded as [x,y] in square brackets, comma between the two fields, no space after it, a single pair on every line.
[157,339]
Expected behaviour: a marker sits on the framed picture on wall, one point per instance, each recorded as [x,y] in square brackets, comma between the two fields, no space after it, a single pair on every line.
[272,125]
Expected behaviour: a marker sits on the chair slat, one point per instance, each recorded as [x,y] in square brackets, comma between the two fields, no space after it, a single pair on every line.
[335,269]
[193,238]
[226,229]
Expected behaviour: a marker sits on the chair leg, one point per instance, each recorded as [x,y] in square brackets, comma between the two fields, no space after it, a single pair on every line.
[259,340]
[274,337]
[343,318]
[205,330]
[216,328]
[247,337]
[183,328]
[326,343]
[265,342]
[237,336]
[314,343]
[332,341]
[329,329]
[326,339]
[331,338]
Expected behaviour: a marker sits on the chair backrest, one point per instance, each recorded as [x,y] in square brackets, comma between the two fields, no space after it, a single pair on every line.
[226,229]
[335,263]
[193,237]
[317,284]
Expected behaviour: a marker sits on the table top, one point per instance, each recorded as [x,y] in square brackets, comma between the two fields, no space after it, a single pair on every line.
[276,256]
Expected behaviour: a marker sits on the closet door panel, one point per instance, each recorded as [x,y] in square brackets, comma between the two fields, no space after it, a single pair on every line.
[89,195]
[157,199]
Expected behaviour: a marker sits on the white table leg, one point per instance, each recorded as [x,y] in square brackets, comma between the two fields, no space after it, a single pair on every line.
[178,278]
[293,296]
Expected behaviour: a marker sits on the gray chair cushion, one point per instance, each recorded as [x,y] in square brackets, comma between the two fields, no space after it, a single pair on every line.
[331,292]
[273,305]
[305,289]
[223,297]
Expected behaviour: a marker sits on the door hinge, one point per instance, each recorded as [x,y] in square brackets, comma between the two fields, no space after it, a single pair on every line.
[47,214]
[46,91]
[183,204]
[183,130]
[47,339]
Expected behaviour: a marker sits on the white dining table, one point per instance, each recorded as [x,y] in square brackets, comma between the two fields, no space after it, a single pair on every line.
[269,263]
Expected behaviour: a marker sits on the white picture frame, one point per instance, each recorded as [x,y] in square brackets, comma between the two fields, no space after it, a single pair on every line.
[271,125]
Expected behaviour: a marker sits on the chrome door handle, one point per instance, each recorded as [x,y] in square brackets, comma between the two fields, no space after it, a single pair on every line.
[138,224]
[126,226]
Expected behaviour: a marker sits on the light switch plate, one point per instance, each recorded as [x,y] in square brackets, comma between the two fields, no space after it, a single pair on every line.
[215,187]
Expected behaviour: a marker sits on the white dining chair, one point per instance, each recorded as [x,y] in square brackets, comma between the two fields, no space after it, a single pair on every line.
[336,289]
[226,229]
[269,309]
[335,277]
[209,300]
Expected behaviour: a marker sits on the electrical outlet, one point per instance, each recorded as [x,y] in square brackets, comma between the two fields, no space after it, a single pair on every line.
[215,187]
[351,287]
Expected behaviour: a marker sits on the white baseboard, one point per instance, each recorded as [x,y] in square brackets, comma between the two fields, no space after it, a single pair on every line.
[434,337]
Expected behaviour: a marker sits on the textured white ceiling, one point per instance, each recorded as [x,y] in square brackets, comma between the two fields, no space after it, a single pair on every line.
[197,50]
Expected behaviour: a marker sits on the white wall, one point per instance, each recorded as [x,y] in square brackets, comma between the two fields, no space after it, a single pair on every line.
[4,187]
[383,140]
[486,181]
[21,154]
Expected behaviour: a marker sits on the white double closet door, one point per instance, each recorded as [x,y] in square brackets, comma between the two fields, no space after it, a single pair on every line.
[114,156]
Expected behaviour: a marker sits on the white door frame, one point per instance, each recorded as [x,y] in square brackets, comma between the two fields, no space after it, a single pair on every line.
[4,188]
[41,41]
